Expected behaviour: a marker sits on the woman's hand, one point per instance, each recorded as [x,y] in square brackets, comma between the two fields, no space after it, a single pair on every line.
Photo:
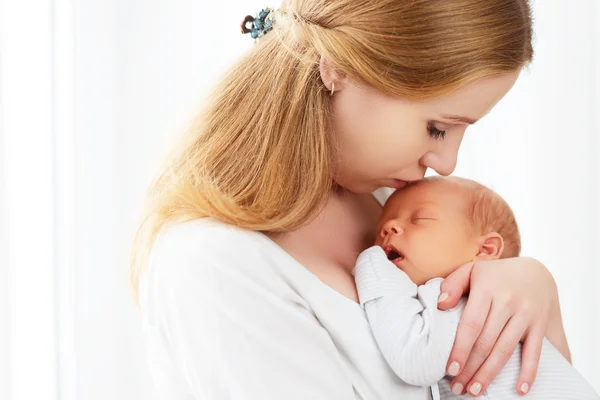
[510,300]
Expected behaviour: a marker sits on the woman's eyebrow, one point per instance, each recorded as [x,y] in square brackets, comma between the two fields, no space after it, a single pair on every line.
[458,118]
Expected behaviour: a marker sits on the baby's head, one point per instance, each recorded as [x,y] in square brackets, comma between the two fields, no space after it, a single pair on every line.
[433,226]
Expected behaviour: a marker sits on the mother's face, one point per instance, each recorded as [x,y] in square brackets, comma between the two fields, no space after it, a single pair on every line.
[381,140]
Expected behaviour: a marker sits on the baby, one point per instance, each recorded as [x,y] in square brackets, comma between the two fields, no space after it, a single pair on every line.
[427,230]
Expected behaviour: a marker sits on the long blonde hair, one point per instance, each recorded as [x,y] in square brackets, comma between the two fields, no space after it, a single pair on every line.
[260,155]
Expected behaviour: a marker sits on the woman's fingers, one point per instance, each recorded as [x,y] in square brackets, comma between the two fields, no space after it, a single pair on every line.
[501,353]
[469,329]
[494,324]
[454,286]
[532,349]
[485,339]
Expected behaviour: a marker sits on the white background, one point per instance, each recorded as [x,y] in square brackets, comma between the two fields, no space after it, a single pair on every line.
[92,91]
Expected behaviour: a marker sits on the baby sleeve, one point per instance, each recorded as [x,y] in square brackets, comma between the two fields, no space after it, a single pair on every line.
[413,335]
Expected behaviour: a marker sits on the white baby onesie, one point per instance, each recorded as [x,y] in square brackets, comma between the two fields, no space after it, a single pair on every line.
[416,338]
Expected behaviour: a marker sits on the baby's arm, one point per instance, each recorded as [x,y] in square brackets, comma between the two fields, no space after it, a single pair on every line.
[416,338]
[413,335]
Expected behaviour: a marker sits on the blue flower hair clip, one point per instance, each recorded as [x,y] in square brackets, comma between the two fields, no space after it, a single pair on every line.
[259,26]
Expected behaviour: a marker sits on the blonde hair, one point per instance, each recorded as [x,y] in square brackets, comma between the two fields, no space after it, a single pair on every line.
[260,155]
[485,210]
[491,213]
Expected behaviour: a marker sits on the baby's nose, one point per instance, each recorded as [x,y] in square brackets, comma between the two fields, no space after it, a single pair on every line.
[391,228]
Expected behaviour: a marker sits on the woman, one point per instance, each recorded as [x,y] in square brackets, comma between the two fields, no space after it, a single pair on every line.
[245,253]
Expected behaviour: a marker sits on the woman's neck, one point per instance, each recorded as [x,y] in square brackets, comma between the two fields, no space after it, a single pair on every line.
[337,235]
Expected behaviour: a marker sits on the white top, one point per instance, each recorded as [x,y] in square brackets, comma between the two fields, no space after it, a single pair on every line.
[416,337]
[228,314]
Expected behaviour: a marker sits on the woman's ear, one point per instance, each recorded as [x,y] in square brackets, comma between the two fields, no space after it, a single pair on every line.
[491,246]
[329,75]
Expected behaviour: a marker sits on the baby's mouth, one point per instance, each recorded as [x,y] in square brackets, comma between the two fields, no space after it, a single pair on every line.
[393,254]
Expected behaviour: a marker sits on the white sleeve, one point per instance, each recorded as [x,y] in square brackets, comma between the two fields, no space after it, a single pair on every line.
[413,335]
[556,379]
[233,328]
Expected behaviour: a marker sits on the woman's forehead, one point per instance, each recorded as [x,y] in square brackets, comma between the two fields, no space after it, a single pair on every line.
[475,99]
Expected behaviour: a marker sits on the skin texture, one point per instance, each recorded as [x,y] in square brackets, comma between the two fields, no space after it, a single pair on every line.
[380,139]
[428,226]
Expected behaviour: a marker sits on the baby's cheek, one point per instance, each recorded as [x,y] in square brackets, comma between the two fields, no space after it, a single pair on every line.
[442,266]
[443,273]
[420,277]
[438,272]
[378,239]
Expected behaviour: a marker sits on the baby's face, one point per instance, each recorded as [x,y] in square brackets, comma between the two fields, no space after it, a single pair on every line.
[425,231]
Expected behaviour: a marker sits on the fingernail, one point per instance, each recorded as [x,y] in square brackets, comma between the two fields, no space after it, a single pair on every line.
[453,368]
[475,388]
[457,388]
[442,297]
[524,387]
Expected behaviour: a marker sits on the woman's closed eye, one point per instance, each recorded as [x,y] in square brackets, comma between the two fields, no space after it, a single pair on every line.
[435,133]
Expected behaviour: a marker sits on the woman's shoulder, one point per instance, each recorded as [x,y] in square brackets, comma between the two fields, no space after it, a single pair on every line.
[203,232]
[205,250]
[207,259]
[206,238]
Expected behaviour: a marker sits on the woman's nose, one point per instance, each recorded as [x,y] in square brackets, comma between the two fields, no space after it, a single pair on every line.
[442,159]
[442,165]
[392,227]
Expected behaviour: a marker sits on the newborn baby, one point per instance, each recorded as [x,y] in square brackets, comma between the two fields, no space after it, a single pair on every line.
[426,231]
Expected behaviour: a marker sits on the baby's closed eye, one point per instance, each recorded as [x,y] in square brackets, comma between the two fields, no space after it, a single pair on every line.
[422,218]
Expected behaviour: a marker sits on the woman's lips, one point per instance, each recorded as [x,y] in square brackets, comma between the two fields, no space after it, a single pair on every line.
[399,184]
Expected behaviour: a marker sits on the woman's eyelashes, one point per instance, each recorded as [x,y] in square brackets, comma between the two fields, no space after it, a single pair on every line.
[434,132]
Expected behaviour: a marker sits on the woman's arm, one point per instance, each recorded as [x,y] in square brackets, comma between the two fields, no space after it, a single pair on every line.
[556,331]
[510,300]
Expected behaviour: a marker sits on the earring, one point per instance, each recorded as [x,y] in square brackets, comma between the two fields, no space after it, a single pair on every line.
[332,88]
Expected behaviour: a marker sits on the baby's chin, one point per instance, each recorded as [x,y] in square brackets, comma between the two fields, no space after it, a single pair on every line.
[420,276]
[420,280]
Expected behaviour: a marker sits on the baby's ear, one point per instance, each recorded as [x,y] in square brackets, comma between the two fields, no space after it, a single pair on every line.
[491,246]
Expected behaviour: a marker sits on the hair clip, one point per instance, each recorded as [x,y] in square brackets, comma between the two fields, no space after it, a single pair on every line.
[259,26]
